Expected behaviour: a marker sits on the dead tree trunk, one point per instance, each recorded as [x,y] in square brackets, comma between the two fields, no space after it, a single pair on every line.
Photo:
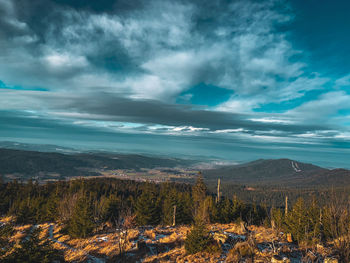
[174,216]
[286,207]
[218,192]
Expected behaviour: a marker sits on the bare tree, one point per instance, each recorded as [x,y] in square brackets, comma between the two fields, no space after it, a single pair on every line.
[124,222]
[336,225]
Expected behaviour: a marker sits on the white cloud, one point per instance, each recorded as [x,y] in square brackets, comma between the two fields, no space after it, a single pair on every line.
[238,104]
[323,109]
[271,120]
[65,61]
[343,82]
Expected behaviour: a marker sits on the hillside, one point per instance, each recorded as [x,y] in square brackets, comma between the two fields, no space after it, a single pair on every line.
[36,147]
[89,220]
[44,165]
[282,172]
[23,164]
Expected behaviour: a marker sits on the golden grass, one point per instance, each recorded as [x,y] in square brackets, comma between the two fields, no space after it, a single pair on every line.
[17,236]
[170,256]
[44,233]
[23,228]
[150,234]
[75,256]
[171,238]
[7,219]
[110,249]
[133,233]
[63,238]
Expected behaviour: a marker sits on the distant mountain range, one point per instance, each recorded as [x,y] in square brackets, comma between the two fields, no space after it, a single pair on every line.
[48,165]
[36,147]
[283,172]
[20,160]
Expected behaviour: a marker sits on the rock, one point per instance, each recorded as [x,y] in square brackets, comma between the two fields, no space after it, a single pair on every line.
[279,259]
[244,227]
[285,249]
[322,250]
[220,238]
[289,238]
[330,260]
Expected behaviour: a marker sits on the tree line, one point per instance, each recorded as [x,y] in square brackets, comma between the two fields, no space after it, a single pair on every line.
[85,205]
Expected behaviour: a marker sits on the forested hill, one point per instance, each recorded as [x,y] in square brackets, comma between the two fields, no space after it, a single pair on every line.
[279,172]
[24,164]
[31,163]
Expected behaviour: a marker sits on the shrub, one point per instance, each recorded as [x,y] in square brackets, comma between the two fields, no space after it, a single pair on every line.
[81,224]
[198,239]
[241,250]
[213,247]
[33,250]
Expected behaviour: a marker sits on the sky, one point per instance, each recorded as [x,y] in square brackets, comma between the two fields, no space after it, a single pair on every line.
[233,80]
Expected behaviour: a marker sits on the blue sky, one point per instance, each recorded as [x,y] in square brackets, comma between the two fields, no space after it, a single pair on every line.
[236,80]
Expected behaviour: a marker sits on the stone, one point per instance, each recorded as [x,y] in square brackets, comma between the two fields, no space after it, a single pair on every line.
[330,260]
[243,227]
[279,259]
[220,238]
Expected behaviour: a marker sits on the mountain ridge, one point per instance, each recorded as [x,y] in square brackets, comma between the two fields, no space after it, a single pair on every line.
[283,171]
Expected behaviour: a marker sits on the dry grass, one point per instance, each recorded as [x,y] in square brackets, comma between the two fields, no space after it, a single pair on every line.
[7,219]
[109,248]
[174,237]
[44,233]
[20,233]
[133,233]
[75,256]
[170,256]
[106,245]
[199,257]
[150,234]
[23,228]
[63,238]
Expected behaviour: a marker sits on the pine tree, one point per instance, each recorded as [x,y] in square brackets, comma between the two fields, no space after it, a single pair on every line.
[168,207]
[81,224]
[197,239]
[6,231]
[225,211]
[296,221]
[147,207]
[184,209]
[24,214]
[214,212]
[52,208]
[33,250]
[199,192]
[277,217]
[111,209]
[314,224]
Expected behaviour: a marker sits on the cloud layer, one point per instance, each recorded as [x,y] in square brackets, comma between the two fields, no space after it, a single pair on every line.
[135,66]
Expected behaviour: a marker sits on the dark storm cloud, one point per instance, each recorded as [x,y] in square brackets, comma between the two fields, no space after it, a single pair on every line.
[27,127]
[111,107]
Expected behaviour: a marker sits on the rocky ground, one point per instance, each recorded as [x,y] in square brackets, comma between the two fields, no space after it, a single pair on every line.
[166,244]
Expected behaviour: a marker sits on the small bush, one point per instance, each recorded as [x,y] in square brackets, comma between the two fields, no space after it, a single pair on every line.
[241,250]
[213,247]
[198,239]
